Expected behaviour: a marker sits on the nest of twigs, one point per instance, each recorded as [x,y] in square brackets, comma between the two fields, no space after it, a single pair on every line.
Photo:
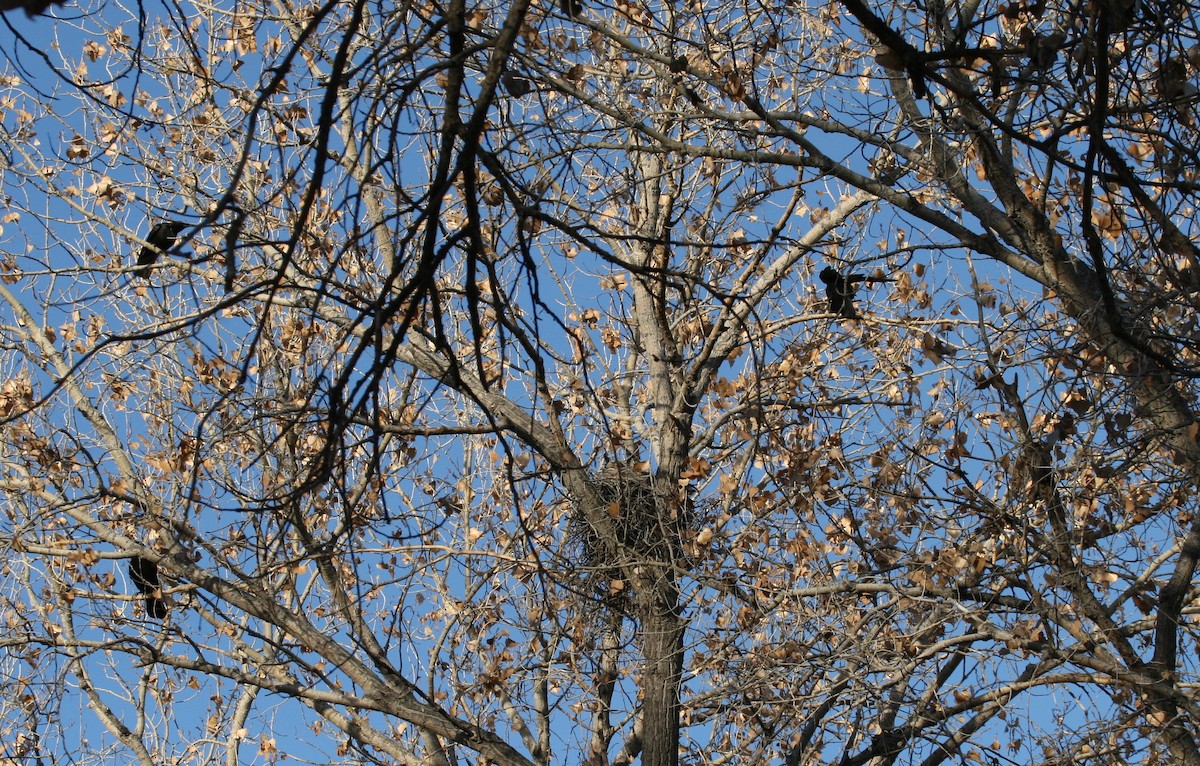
[643,521]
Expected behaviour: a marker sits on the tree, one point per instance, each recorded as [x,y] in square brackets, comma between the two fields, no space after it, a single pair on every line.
[511,426]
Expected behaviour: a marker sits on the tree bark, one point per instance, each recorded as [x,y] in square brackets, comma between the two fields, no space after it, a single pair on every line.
[662,648]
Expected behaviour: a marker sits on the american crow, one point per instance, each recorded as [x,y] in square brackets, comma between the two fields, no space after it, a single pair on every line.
[840,289]
[144,574]
[515,84]
[162,236]
[31,7]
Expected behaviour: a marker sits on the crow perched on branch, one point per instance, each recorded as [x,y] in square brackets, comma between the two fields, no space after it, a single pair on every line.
[515,84]
[162,236]
[31,7]
[144,574]
[840,289]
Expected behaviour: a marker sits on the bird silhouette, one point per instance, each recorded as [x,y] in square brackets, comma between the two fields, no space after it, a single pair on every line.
[31,7]
[144,574]
[162,236]
[840,289]
[515,84]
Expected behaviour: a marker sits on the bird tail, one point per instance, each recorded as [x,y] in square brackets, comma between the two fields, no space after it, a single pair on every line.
[155,607]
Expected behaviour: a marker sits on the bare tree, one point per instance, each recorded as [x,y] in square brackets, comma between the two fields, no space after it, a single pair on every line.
[486,401]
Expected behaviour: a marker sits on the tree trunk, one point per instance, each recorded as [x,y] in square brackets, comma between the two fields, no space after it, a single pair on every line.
[662,650]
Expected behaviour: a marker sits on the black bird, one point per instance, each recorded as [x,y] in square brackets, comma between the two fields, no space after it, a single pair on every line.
[840,289]
[572,8]
[144,574]
[515,84]
[162,236]
[31,7]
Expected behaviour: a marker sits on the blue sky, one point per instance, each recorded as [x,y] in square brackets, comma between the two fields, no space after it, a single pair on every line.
[80,240]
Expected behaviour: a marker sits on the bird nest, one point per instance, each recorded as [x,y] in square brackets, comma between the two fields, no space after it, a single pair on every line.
[641,519]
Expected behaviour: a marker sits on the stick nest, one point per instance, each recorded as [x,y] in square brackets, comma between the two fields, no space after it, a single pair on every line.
[648,519]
